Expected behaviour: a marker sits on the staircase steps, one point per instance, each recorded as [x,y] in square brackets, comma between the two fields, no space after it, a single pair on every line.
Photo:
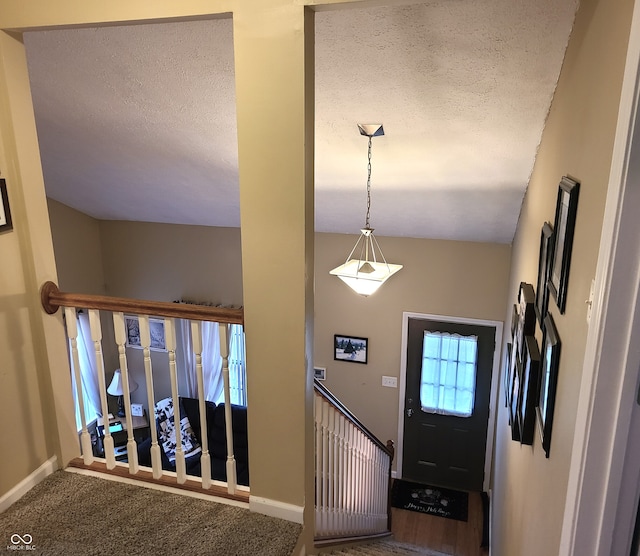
[385,548]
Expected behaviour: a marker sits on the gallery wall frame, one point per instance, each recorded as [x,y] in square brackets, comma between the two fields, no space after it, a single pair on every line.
[156,330]
[6,223]
[530,390]
[564,226]
[526,325]
[507,374]
[353,349]
[544,266]
[550,362]
[516,393]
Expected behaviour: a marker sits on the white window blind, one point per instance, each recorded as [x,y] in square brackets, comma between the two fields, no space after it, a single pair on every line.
[448,377]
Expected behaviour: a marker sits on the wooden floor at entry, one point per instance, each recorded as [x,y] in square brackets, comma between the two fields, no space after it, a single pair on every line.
[457,538]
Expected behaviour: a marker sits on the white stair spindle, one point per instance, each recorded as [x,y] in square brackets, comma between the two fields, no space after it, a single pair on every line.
[121,338]
[170,342]
[145,343]
[72,334]
[205,458]
[232,482]
[96,337]
[330,500]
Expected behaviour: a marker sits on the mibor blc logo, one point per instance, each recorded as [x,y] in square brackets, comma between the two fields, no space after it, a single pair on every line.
[21,542]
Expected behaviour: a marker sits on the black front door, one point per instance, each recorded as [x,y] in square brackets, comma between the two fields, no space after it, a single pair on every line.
[446,450]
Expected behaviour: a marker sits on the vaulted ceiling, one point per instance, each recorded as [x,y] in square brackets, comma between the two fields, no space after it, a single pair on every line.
[139,122]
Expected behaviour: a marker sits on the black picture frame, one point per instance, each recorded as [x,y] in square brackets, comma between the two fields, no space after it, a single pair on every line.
[529,390]
[352,349]
[507,374]
[544,265]
[516,393]
[6,223]
[564,226]
[548,381]
[526,316]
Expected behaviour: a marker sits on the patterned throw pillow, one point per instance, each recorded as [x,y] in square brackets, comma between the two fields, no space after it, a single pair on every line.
[167,431]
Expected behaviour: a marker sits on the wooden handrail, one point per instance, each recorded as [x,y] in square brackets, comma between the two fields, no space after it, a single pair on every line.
[329,396]
[52,299]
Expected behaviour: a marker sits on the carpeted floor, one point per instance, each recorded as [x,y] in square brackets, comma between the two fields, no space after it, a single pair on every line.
[77,515]
[387,548]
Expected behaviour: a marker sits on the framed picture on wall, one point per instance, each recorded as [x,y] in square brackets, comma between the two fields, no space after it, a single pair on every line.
[507,374]
[566,211]
[544,265]
[550,361]
[156,331]
[5,212]
[527,409]
[350,348]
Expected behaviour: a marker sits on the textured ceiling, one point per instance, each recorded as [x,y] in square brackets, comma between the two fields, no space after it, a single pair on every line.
[139,122]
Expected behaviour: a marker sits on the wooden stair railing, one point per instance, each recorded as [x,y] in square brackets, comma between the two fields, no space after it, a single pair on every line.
[52,299]
[353,475]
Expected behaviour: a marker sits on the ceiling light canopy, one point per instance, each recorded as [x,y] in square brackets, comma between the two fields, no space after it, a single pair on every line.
[366,273]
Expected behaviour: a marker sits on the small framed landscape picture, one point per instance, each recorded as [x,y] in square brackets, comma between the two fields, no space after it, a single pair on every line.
[319,373]
[350,348]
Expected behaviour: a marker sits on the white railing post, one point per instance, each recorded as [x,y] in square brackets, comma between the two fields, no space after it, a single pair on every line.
[205,458]
[145,343]
[170,342]
[72,334]
[121,338]
[232,481]
[318,430]
[96,337]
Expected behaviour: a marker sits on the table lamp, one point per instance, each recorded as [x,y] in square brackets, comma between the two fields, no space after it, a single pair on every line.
[116,389]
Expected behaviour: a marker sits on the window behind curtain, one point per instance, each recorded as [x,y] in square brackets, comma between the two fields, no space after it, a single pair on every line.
[237,366]
[448,377]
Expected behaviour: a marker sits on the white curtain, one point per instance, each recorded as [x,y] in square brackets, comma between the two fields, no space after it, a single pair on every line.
[448,377]
[88,373]
[211,362]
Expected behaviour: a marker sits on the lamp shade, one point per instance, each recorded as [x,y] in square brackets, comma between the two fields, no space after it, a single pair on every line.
[367,280]
[115,387]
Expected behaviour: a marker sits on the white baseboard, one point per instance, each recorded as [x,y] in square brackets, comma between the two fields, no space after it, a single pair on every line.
[273,508]
[28,483]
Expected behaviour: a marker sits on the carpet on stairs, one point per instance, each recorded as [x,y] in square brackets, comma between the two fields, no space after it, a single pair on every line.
[387,548]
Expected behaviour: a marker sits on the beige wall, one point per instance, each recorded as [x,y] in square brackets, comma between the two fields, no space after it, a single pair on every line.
[78,250]
[167,262]
[448,278]
[530,490]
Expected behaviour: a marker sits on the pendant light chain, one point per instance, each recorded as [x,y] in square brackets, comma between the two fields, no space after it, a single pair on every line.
[368,186]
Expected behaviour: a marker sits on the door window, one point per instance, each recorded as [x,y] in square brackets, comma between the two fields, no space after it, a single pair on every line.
[448,376]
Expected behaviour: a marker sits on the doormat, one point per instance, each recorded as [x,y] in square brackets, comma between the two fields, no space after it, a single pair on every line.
[443,502]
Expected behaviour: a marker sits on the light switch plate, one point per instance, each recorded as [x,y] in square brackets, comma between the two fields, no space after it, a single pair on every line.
[136,409]
[390,381]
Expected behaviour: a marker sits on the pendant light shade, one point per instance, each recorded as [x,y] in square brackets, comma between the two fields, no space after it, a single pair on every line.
[365,272]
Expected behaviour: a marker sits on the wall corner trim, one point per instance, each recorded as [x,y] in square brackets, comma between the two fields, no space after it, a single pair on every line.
[24,486]
[273,508]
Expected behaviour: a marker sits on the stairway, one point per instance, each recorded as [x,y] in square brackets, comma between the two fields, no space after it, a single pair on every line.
[387,547]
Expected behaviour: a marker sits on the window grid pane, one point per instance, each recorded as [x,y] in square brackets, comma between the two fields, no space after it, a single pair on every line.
[448,376]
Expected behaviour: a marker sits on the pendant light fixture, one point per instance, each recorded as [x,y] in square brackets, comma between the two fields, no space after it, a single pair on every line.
[368,270]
